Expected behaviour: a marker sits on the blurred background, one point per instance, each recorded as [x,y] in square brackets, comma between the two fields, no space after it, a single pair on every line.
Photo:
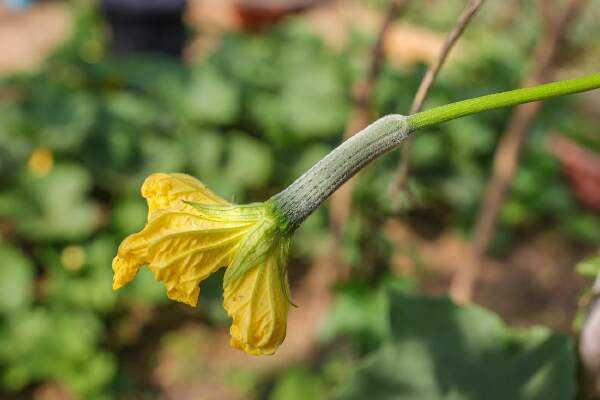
[246,95]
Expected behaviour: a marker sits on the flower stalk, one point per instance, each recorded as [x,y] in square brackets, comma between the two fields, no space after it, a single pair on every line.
[309,191]
[191,232]
[494,101]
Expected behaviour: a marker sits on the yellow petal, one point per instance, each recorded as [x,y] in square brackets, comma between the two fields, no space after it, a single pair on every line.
[181,249]
[125,269]
[258,304]
[168,191]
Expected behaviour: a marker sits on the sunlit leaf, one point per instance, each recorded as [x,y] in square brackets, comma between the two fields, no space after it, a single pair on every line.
[589,267]
[62,209]
[16,280]
[299,384]
[249,163]
[211,98]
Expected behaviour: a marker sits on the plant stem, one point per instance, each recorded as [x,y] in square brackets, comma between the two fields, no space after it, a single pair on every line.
[463,108]
[430,76]
[506,156]
[295,203]
[360,116]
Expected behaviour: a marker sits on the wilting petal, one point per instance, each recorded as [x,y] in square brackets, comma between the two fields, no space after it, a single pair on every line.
[181,249]
[168,191]
[258,303]
[190,233]
[125,270]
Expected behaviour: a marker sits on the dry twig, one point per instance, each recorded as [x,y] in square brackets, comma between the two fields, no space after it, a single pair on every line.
[426,83]
[341,200]
[508,151]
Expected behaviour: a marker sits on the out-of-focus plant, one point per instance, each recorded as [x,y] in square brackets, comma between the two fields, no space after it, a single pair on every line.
[589,269]
[431,348]
[87,129]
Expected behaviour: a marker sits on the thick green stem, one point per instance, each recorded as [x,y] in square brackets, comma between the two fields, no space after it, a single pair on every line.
[504,99]
[308,192]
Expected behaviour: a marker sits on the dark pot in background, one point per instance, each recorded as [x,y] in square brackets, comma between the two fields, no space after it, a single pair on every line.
[146,25]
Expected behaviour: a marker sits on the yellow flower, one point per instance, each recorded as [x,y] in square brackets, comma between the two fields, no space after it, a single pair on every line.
[40,162]
[191,232]
[258,302]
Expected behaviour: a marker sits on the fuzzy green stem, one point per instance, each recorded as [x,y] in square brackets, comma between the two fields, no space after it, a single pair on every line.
[295,203]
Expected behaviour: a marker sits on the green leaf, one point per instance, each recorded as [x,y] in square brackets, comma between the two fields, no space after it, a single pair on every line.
[63,119]
[14,145]
[144,289]
[44,344]
[249,163]
[312,236]
[162,154]
[359,313]
[314,102]
[83,286]
[131,108]
[470,137]
[16,280]
[589,267]
[211,98]
[428,151]
[583,226]
[298,384]
[62,210]
[205,152]
[441,351]
[265,112]
[463,190]
[129,215]
[114,151]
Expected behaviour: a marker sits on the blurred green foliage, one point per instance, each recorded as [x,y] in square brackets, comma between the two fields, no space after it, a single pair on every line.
[436,349]
[590,267]
[250,118]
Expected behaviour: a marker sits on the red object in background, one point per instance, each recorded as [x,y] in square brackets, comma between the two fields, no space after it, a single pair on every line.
[255,15]
[582,168]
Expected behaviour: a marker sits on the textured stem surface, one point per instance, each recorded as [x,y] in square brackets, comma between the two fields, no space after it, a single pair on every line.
[309,191]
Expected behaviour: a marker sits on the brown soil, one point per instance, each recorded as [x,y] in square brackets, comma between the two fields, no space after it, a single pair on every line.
[535,284]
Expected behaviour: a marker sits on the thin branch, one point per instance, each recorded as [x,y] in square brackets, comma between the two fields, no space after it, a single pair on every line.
[360,117]
[506,158]
[548,16]
[451,40]
[426,83]
[341,201]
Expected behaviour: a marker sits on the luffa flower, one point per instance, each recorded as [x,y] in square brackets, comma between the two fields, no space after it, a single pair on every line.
[191,232]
